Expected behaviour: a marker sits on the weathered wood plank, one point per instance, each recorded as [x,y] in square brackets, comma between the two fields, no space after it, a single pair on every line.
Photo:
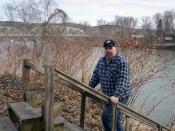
[49,99]
[31,120]
[127,124]
[67,125]
[114,117]
[25,79]
[24,111]
[83,105]
[28,119]
[6,124]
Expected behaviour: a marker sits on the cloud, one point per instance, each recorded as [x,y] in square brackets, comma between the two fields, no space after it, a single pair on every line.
[151,3]
[92,10]
[89,10]
[89,2]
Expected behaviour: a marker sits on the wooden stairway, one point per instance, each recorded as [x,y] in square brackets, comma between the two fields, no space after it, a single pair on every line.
[27,118]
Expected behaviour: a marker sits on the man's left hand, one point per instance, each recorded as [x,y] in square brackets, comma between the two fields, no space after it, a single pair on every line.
[114,99]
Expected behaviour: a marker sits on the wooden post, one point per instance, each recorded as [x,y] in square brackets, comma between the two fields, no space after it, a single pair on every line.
[82,115]
[114,117]
[48,99]
[25,79]
[127,124]
[160,128]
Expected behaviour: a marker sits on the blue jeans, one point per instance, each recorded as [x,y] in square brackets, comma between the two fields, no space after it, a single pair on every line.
[107,118]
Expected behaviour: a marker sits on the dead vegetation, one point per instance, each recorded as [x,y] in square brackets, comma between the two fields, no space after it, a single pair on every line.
[75,57]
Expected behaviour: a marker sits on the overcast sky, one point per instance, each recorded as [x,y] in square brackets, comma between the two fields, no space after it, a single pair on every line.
[92,10]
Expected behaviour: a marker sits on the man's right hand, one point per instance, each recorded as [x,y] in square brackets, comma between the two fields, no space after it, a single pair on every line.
[114,99]
[97,88]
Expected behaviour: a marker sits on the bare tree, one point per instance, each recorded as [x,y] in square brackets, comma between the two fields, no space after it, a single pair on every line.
[25,11]
[158,24]
[35,12]
[164,22]
[85,23]
[105,28]
[160,30]
[41,15]
[147,27]
[125,25]
[9,11]
[168,20]
[157,17]
[101,22]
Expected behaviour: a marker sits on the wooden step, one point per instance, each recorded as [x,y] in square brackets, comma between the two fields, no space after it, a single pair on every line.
[23,111]
[6,124]
[67,125]
[30,119]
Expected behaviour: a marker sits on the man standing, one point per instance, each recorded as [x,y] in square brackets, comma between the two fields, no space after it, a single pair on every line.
[112,72]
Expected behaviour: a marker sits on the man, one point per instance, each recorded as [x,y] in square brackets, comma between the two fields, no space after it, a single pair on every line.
[112,72]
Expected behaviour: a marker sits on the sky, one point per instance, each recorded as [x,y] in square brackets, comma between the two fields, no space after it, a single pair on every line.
[93,10]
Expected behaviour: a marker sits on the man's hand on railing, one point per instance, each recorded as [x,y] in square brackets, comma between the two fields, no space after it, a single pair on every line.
[97,88]
[114,99]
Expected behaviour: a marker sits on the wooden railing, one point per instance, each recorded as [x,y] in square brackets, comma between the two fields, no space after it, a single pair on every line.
[86,91]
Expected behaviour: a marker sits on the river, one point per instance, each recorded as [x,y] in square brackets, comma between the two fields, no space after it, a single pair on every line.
[161,91]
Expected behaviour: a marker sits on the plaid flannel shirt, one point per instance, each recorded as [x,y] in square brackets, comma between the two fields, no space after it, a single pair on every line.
[114,77]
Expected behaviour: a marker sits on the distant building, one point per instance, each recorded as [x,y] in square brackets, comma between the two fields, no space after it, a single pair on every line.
[169,36]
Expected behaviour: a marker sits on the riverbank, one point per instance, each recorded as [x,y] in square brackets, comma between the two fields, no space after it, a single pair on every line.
[168,46]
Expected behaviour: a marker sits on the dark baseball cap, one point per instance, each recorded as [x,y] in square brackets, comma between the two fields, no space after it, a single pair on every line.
[110,43]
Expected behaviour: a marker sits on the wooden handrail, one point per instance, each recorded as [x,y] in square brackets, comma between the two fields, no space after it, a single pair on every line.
[90,92]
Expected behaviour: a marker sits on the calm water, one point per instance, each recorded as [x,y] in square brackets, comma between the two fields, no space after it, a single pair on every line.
[160,91]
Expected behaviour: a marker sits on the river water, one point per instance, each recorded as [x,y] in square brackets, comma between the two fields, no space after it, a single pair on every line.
[161,92]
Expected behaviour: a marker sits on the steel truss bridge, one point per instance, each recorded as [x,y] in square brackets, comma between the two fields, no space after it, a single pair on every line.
[38,31]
